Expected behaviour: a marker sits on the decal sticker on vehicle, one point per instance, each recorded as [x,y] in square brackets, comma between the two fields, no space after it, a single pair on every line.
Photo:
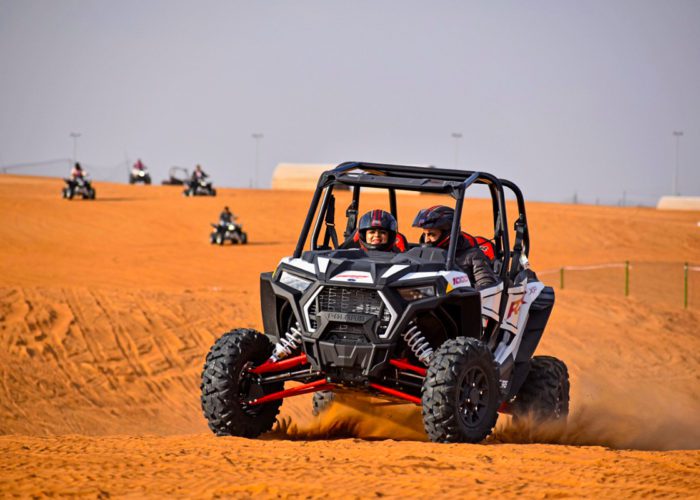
[353,277]
[458,280]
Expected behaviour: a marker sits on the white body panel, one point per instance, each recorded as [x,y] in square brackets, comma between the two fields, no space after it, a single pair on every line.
[491,301]
[520,298]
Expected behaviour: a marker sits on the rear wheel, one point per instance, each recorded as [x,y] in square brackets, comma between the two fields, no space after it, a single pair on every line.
[228,387]
[545,392]
[460,392]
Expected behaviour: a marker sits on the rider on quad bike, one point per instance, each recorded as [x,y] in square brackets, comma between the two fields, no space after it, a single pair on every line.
[198,184]
[139,173]
[228,229]
[79,184]
[413,327]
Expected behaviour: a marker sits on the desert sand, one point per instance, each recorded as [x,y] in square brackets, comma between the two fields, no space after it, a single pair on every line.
[107,309]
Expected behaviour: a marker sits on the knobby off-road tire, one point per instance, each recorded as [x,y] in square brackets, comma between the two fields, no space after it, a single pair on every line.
[322,401]
[227,387]
[545,392]
[460,392]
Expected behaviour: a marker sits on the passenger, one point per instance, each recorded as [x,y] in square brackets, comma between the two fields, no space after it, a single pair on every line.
[378,230]
[436,223]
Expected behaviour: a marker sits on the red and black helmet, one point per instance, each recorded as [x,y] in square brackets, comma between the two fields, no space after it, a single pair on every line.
[437,217]
[378,219]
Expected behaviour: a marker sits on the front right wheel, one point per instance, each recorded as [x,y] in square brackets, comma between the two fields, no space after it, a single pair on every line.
[460,392]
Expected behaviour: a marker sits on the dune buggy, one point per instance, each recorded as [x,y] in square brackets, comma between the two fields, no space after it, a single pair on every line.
[408,327]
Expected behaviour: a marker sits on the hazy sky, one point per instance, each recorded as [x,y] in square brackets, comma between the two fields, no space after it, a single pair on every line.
[559,96]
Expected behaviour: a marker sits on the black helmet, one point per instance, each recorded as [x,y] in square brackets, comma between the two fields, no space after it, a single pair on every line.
[437,217]
[381,220]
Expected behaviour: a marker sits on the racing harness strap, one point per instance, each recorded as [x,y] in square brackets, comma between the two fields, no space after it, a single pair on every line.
[351,214]
[517,247]
[330,225]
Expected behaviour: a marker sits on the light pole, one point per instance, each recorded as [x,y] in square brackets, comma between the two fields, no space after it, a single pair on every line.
[678,134]
[257,136]
[456,136]
[75,136]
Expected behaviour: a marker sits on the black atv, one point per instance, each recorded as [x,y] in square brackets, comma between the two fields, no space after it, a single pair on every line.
[78,187]
[200,187]
[228,231]
[408,327]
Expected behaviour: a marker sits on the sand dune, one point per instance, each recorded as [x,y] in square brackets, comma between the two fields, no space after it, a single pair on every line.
[107,309]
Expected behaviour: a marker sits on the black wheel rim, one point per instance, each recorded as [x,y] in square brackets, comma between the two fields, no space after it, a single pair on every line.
[248,390]
[473,396]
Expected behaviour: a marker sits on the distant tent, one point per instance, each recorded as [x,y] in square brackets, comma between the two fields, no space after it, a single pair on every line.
[298,176]
[679,203]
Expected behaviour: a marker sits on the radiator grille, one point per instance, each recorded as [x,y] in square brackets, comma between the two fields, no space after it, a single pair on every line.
[349,300]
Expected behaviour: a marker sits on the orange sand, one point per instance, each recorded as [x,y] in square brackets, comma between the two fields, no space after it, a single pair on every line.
[107,309]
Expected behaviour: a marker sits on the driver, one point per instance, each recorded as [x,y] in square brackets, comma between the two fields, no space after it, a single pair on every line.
[226,217]
[436,223]
[378,230]
[197,175]
[77,172]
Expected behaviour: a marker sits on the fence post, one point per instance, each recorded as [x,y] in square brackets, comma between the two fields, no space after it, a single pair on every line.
[627,278]
[685,286]
[561,278]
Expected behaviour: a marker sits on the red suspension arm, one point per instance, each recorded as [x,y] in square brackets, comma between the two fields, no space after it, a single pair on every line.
[278,366]
[395,393]
[318,385]
[403,364]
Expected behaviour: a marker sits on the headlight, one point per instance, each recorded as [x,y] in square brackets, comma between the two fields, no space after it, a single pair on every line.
[417,292]
[294,281]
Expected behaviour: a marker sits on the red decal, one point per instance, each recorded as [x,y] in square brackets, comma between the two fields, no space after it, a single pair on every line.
[514,308]
[459,280]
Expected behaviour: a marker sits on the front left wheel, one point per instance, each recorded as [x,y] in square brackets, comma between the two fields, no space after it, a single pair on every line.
[460,392]
[228,387]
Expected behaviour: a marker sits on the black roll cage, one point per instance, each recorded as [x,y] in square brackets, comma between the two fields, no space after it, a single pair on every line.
[423,179]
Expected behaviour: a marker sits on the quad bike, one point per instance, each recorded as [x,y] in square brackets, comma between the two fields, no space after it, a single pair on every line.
[200,187]
[408,327]
[80,187]
[139,175]
[228,231]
